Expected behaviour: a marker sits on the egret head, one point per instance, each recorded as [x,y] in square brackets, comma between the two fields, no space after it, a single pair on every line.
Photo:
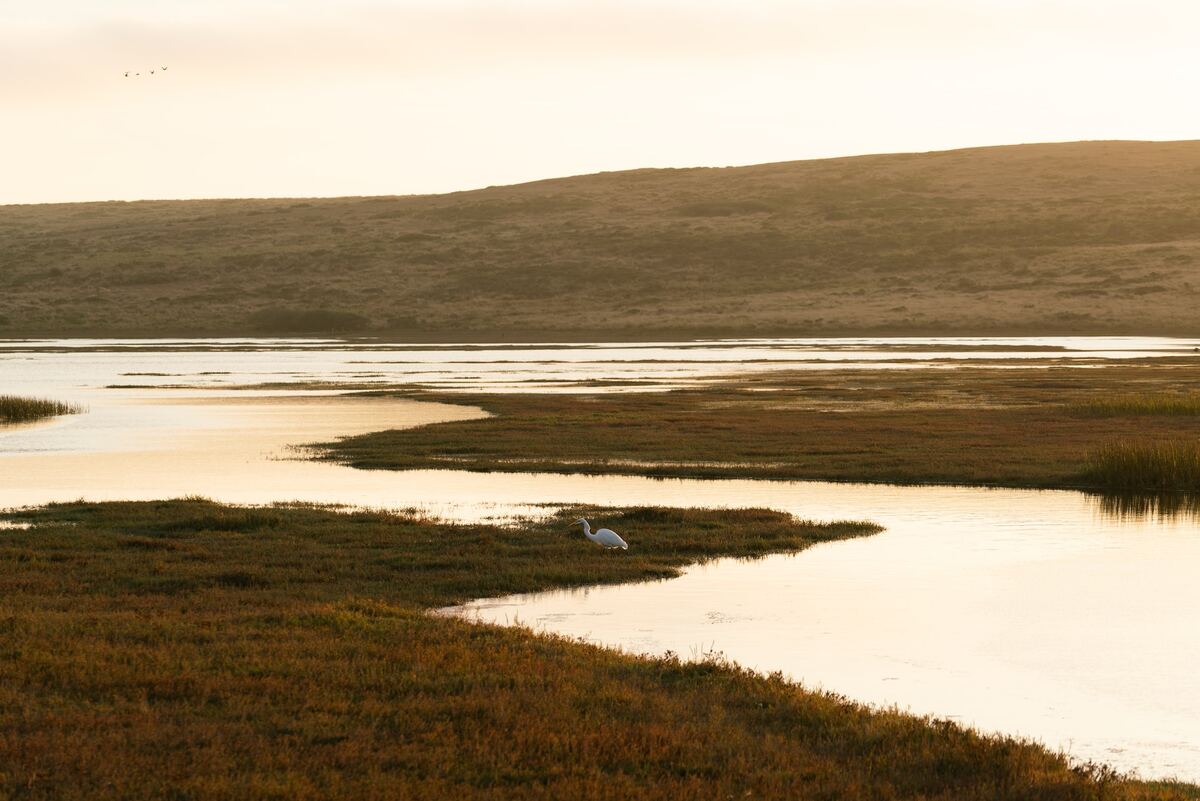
[580,521]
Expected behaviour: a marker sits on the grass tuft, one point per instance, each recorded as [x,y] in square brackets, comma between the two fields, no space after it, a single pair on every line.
[15,409]
[1172,466]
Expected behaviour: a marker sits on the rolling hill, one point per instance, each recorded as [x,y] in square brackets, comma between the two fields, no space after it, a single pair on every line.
[1088,237]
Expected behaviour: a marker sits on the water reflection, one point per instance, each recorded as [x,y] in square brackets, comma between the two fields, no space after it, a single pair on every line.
[1137,507]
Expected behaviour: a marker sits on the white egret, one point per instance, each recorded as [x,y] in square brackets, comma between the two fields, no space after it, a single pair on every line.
[605,536]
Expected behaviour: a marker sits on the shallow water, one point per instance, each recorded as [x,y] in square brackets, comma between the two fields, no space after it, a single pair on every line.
[76,364]
[1039,613]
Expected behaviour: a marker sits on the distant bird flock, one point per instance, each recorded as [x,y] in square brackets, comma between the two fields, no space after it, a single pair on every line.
[129,73]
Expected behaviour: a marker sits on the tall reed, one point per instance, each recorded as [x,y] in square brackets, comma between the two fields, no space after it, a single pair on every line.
[1172,466]
[15,409]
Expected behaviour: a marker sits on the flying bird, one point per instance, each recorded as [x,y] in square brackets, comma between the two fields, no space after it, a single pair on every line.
[605,536]
[138,74]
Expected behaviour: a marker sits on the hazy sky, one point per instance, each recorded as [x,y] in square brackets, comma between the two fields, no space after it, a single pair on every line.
[305,98]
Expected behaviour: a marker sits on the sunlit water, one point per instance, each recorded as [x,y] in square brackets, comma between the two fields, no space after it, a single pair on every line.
[81,363]
[1032,613]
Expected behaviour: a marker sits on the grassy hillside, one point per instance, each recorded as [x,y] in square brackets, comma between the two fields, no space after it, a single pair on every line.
[1094,237]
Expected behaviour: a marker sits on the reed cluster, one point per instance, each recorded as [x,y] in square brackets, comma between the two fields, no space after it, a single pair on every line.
[1150,466]
[16,409]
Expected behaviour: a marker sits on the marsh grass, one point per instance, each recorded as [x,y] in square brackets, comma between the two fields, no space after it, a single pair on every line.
[16,409]
[1149,466]
[1140,404]
[968,426]
[188,650]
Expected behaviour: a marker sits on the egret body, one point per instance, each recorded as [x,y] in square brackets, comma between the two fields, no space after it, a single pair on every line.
[605,536]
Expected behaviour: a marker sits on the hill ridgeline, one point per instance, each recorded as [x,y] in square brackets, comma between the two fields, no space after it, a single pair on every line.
[1085,238]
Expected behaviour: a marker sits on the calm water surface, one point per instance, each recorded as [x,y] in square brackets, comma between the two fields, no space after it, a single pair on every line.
[87,364]
[1033,613]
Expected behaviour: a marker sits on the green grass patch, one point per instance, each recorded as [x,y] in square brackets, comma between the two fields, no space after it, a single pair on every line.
[16,409]
[287,653]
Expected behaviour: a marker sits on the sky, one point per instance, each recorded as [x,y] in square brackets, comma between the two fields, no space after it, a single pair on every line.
[300,98]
